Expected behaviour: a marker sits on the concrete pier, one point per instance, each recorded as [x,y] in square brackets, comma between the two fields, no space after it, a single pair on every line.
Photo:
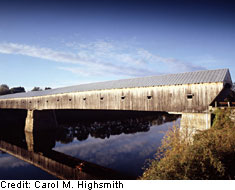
[193,122]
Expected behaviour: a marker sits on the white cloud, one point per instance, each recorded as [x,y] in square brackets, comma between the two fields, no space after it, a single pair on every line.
[174,64]
[103,58]
[11,162]
[125,54]
[43,53]
[115,149]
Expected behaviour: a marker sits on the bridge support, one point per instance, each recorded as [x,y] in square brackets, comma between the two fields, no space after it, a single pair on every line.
[29,140]
[192,122]
[40,120]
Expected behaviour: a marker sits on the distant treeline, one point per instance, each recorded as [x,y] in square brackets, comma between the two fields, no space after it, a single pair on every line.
[4,89]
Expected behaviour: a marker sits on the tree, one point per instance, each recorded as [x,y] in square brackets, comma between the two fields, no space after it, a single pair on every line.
[17,90]
[36,89]
[4,89]
[209,155]
[47,88]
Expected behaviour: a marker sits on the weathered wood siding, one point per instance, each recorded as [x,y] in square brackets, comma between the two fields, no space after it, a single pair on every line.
[162,98]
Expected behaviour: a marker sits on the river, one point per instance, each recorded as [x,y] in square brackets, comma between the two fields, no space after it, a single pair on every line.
[120,141]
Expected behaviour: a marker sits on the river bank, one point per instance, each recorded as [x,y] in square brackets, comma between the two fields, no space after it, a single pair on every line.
[210,156]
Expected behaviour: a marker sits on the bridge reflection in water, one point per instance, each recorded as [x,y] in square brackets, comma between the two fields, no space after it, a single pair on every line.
[45,149]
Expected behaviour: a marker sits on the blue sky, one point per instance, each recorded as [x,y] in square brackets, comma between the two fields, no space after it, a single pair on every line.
[59,43]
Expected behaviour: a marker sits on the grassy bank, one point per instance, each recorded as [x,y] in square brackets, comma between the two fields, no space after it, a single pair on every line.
[210,156]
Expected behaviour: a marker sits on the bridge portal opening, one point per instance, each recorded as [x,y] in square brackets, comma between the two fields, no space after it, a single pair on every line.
[227,85]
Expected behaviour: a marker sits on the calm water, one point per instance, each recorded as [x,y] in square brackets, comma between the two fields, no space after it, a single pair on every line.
[123,143]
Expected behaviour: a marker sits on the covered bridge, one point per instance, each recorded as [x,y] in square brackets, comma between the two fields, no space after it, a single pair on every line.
[183,92]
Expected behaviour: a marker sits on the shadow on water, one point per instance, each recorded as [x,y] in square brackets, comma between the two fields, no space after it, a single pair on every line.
[86,144]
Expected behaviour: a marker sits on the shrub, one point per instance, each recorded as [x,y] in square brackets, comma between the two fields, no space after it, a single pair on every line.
[210,156]
[36,89]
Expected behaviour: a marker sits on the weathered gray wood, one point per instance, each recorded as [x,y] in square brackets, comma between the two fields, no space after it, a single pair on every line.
[164,98]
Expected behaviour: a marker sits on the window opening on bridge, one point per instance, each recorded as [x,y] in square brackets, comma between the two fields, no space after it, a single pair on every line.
[47,101]
[84,99]
[123,97]
[58,100]
[38,101]
[190,96]
[101,98]
[30,102]
[149,97]
[70,99]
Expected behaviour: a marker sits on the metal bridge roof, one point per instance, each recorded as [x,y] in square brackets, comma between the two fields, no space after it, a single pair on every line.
[206,76]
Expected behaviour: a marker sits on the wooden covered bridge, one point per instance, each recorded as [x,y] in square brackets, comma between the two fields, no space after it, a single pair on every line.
[191,92]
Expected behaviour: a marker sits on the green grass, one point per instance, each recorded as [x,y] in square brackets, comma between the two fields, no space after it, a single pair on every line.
[211,155]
